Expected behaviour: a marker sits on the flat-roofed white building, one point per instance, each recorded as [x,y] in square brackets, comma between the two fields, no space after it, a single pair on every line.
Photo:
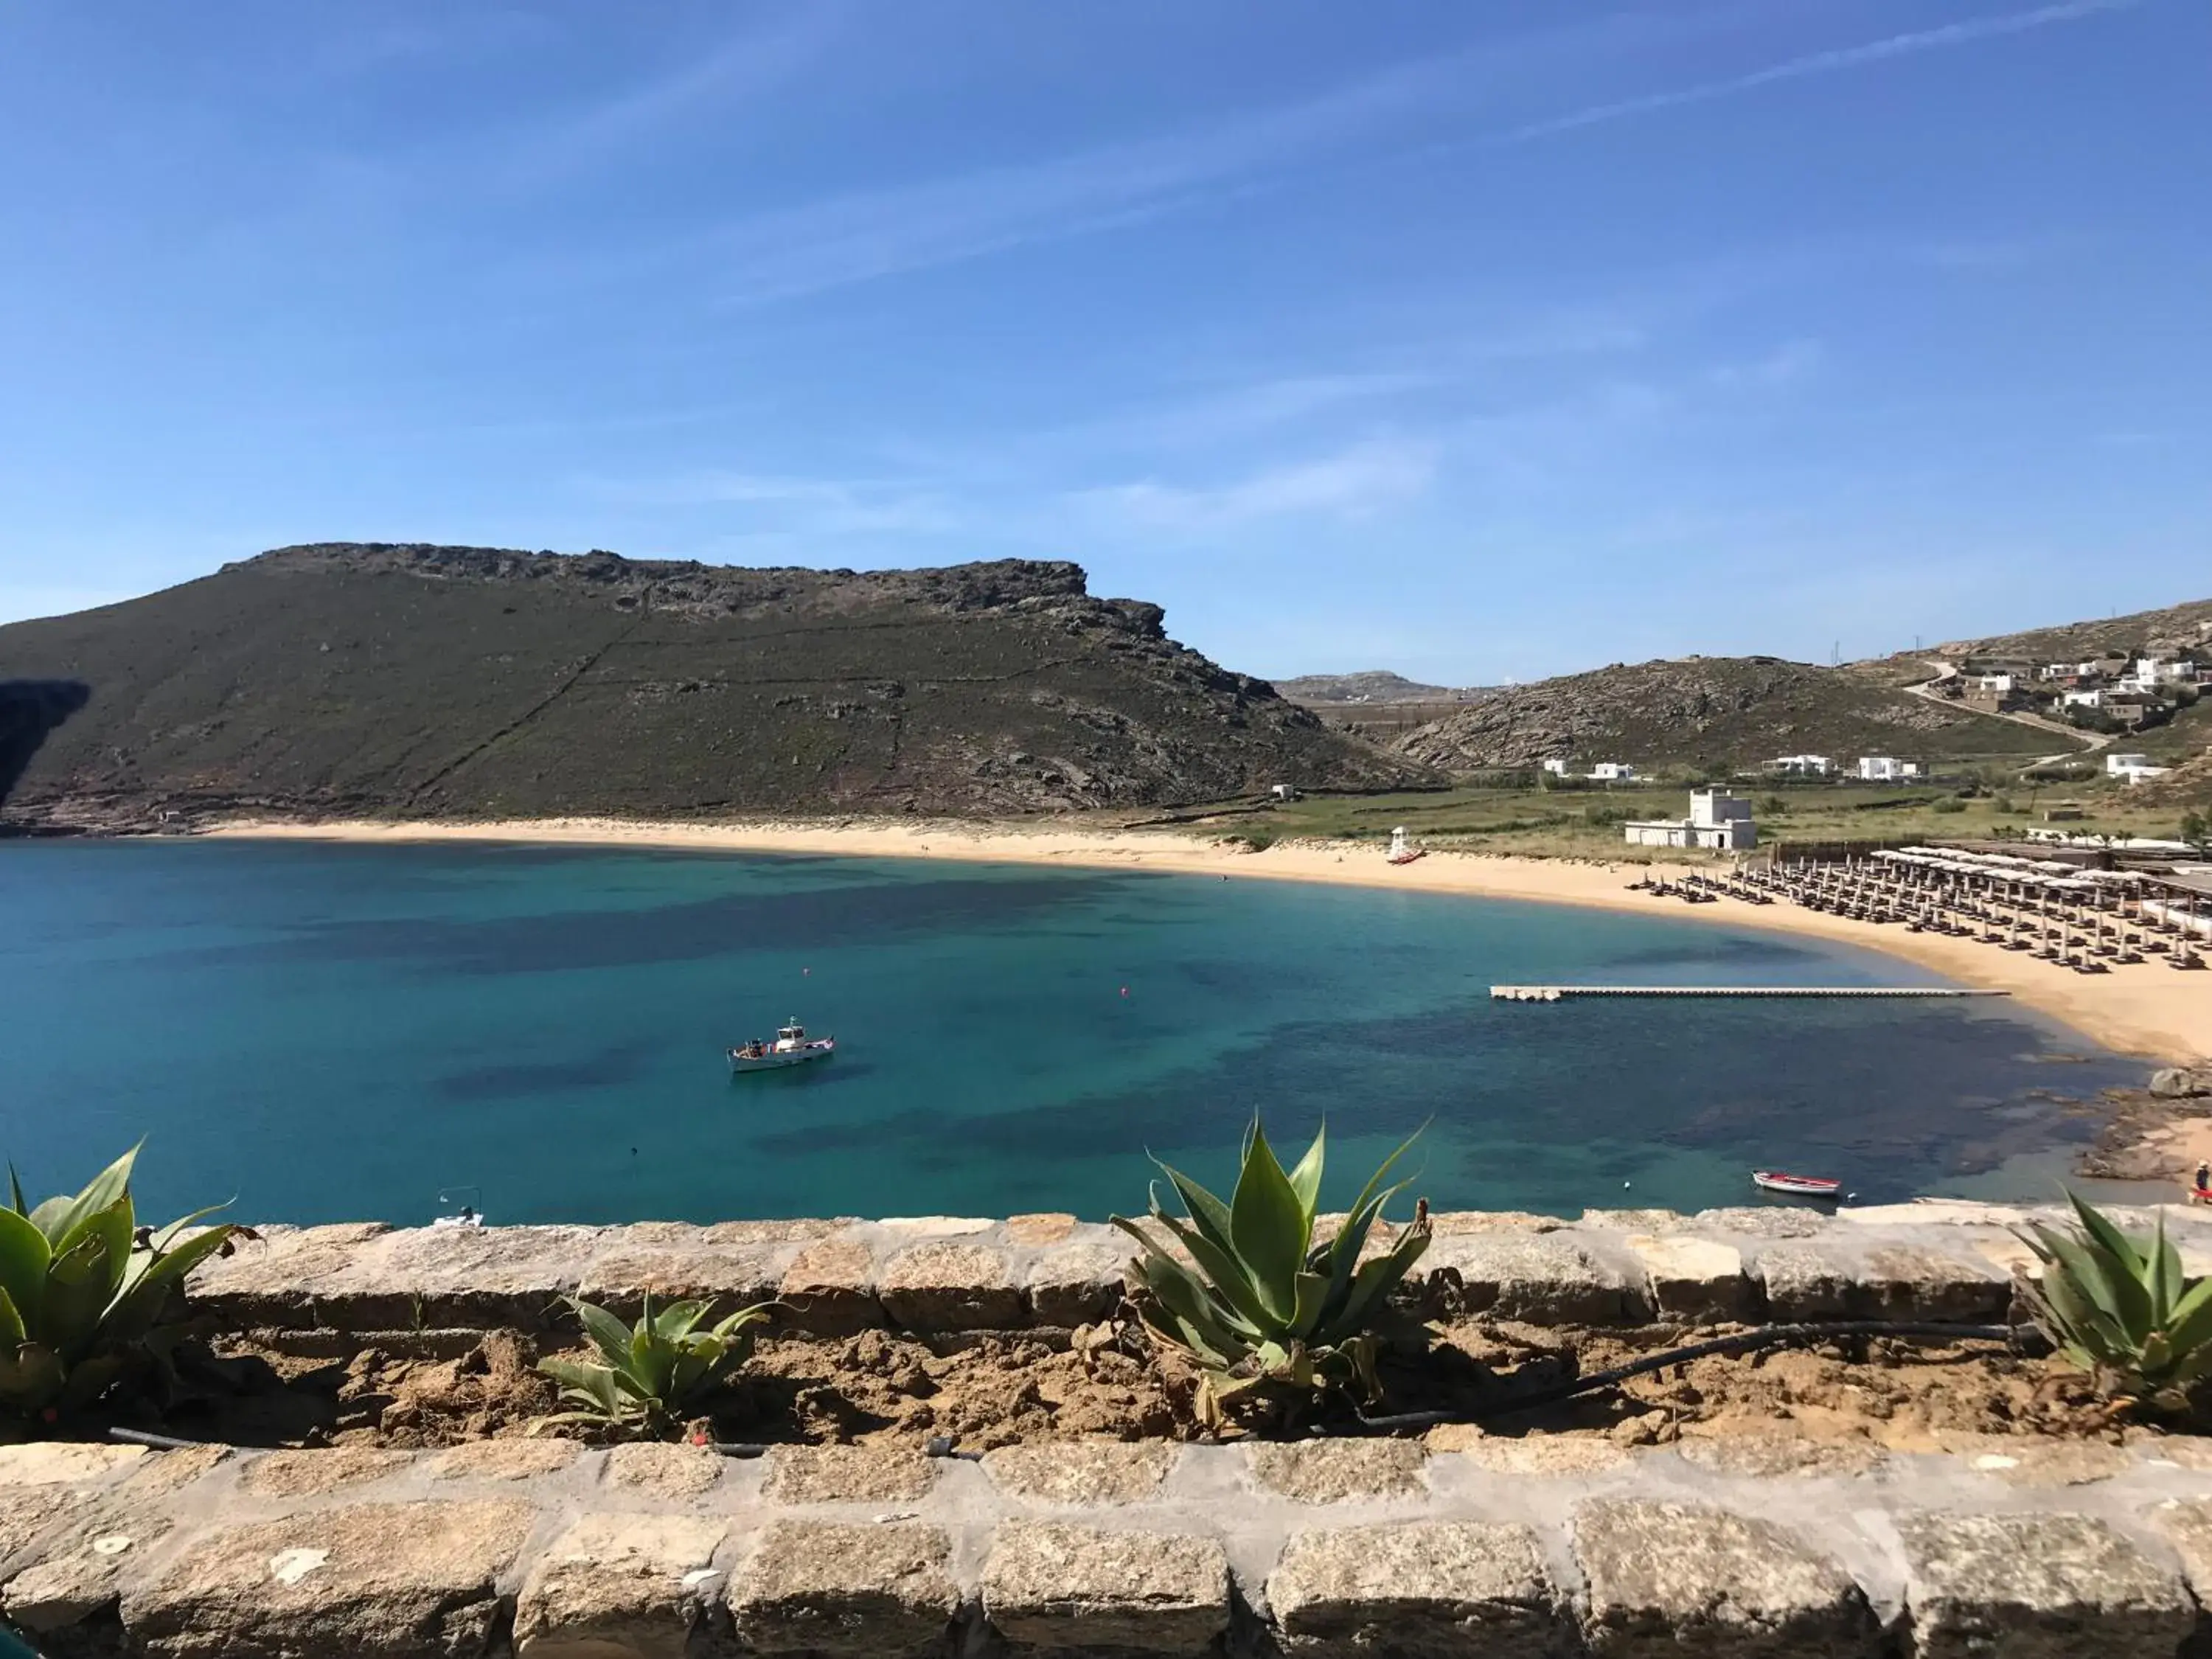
[1888,768]
[1613,772]
[1800,766]
[1717,820]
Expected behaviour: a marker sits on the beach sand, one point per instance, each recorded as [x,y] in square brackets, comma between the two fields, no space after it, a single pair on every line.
[2148,1009]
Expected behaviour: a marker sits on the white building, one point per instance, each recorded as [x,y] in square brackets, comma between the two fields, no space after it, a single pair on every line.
[1717,820]
[2092,698]
[1800,766]
[1999,684]
[1888,768]
[1556,766]
[1613,772]
[2133,768]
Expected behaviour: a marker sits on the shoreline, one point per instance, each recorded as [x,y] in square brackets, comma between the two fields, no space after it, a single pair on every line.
[2166,1018]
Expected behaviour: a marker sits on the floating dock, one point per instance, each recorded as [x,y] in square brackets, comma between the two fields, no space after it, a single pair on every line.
[1558,993]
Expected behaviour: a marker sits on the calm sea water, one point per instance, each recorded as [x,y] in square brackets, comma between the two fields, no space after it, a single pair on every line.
[329,1033]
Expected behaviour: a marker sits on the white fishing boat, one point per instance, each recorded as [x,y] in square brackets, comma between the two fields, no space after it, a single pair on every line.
[1797,1186]
[792,1047]
[460,1206]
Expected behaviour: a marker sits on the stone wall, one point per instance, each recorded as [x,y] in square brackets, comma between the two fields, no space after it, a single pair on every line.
[1504,1547]
[937,1275]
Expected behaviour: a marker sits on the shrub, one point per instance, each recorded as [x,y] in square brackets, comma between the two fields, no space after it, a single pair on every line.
[2119,1308]
[1948,804]
[654,1372]
[1265,1310]
[87,1295]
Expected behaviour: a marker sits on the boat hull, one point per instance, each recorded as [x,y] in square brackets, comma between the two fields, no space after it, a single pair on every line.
[784,1061]
[1795,1186]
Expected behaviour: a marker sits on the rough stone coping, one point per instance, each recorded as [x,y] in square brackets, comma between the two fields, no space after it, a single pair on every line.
[1353,1548]
[1948,1261]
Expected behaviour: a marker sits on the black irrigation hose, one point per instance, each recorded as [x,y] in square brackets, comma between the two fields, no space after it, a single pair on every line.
[1766,1336]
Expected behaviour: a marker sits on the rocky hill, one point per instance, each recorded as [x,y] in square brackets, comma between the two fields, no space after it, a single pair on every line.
[2172,632]
[425,681]
[1706,712]
[1373,686]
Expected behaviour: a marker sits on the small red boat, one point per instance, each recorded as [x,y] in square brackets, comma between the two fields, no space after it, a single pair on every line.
[1797,1186]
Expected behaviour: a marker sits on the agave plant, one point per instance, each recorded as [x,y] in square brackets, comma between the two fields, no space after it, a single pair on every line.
[654,1372]
[86,1294]
[2119,1309]
[1260,1306]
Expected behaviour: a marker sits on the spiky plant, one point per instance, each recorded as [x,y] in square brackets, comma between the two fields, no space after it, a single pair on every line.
[87,1295]
[2119,1308]
[1260,1308]
[653,1373]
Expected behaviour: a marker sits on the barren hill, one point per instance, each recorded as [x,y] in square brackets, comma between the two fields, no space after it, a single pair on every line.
[1705,712]
[1375,685]
[425,681]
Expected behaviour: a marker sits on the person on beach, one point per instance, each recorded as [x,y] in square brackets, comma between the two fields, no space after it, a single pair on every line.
[2204,1176]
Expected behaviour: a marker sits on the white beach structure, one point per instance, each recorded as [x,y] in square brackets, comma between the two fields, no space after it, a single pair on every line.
[1717,820]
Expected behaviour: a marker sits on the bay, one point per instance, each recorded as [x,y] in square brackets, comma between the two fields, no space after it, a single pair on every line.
[324,1033]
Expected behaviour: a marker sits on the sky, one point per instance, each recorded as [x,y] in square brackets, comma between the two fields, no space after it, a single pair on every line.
[1480,342]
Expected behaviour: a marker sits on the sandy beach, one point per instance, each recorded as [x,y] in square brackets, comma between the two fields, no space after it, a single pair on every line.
[2146,1010]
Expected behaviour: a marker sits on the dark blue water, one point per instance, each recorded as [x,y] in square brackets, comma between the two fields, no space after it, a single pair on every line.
[327,1032]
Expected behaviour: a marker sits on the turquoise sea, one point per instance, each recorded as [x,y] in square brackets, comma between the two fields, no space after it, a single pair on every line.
[335,1032]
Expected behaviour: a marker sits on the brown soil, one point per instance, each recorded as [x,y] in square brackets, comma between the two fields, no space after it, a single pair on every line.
[993,1390]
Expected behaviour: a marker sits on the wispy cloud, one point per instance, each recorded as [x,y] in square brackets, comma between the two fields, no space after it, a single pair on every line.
[1910,44]
[1355,482]
[794,505]
[1789,362]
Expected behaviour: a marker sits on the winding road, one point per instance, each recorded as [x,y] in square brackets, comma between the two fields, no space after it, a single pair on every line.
[2091,742]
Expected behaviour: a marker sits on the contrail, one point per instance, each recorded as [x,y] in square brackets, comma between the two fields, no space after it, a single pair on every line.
[1823,62]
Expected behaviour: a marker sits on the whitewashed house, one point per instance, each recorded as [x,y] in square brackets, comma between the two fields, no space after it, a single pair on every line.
[1717,820]
[2133,768]
[1800,766]
[1613,772]
[2002,684]
[1555,764]
[2093,697]
[1888,768]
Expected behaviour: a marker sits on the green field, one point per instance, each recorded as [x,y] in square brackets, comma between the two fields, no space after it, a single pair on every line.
[1586,824]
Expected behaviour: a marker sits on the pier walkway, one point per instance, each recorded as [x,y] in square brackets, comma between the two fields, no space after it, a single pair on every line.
[1556,992]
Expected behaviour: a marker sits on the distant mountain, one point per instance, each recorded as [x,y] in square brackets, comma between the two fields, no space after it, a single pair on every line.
[1706,712]
[1375,685]
[429,681]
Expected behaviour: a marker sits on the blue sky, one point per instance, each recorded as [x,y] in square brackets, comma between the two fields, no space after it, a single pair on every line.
[1479,342]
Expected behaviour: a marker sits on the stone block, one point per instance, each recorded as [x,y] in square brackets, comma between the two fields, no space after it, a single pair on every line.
[1049,1227]
[1550,1457]
[830,1288]
[1449,1223]
[675,1473]
[1057,1589]
[76,1578]
[28,1513]
[1672,1579]
[1336,1471]
[57,1462]
[1073,1285]
[1426,1588]
[847,1474]
[1085,1472]
[1694,1279]
[1546,1278]
[1808,1279]
[619,1587]
[621,1276]
[1771,1457]
[397,1580]
[803,1232]
[1662,1222]
[1922,1281]
[309,1473]
[847,1592]
[2033,1461]
[1761,1221]
[280,1281]
[2186,1524]
[944,1287]
[503,1460]
[2039,1585]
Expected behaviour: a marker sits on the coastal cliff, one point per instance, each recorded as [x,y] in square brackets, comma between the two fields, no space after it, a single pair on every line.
[432,681]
